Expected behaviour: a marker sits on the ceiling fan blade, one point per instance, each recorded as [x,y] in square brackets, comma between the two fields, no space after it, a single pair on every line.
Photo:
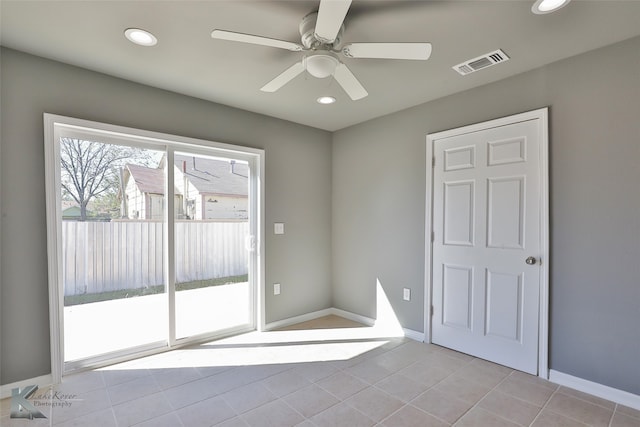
[416,51]
[248,38]
[349,83]
[285,77]
[331,14]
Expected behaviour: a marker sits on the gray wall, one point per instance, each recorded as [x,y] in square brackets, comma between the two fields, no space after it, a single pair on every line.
[298,185]
[594,99]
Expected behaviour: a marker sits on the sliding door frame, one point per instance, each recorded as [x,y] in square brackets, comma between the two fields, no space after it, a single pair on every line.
[54,127]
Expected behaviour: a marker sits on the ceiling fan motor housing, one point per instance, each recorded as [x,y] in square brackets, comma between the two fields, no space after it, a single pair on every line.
[308,36]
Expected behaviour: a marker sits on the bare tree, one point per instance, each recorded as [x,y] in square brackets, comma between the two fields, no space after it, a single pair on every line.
[90,169]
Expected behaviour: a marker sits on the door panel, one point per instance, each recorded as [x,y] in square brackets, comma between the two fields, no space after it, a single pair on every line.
[457,295]
[486,219]
[504,305]
[458,213]
[459,158]
[505,215]
[507,151]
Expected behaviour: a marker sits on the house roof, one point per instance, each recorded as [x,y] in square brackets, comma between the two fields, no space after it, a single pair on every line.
[207,175]
[149,180]
[73,212]
[214,176]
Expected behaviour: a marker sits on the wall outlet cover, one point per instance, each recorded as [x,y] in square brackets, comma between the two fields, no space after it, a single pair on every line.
[278,228]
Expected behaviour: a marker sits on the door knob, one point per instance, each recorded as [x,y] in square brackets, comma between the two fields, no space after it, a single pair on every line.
[530,261]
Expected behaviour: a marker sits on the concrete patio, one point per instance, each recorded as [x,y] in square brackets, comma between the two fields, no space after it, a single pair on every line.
[102,327]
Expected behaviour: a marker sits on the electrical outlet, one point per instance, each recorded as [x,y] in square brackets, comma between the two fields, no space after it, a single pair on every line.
[278,228]
[406,294]
[276,288]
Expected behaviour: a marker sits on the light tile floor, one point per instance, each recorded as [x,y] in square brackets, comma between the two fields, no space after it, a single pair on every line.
[328,372]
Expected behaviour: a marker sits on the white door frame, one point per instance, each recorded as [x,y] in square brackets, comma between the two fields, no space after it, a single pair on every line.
[543,319]
[107,132]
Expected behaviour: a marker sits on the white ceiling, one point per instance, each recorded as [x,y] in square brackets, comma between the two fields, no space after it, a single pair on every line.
[187,60]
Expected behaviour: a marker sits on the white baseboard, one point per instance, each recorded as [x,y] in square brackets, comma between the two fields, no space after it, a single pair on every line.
[409,333]
[317,314]
[605,392]
[297,319]
[414,335]
[42,381]
[352,316]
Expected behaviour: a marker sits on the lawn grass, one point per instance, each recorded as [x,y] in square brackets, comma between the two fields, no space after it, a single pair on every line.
[151,290]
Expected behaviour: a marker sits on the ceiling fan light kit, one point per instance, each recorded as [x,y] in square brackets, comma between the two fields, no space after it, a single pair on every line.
[321,35]
[321,65]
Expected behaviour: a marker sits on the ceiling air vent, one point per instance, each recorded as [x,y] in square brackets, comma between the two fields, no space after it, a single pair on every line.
[484,61]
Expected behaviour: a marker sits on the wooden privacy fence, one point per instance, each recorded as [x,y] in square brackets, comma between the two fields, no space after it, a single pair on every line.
[109,256]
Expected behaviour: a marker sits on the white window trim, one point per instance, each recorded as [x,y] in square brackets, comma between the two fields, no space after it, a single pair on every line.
[113,134]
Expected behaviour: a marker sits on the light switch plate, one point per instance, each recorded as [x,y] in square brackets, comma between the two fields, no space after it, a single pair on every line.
[276,288]
[406,295]
[278,228]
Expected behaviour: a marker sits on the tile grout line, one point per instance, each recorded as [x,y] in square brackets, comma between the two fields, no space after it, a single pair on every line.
[408,403]
[587,401]
[564,414]
[546,403]
[482,398]
[340,400]
[442,380]
[532,383]
[615,409]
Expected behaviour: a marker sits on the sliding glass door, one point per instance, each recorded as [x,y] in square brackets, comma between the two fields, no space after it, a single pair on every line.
[112,248]
[211,231]
[155,241]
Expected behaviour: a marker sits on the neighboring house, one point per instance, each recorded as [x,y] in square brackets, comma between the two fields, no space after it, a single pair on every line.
[206,188]
[72,213]
[144,192]
[212,188]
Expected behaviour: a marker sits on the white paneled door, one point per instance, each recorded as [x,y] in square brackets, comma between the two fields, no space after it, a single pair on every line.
[487,243]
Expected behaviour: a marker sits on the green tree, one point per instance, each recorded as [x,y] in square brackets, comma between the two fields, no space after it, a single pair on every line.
[107,205]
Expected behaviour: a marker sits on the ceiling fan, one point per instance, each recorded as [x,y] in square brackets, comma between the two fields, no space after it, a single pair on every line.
[321,37]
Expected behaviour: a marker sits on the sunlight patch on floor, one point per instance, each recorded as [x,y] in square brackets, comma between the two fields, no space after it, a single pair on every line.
[272,347]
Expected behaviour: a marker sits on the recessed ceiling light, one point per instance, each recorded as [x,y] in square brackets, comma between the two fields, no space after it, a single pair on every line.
[140,37]
[547,6]
[326,100]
